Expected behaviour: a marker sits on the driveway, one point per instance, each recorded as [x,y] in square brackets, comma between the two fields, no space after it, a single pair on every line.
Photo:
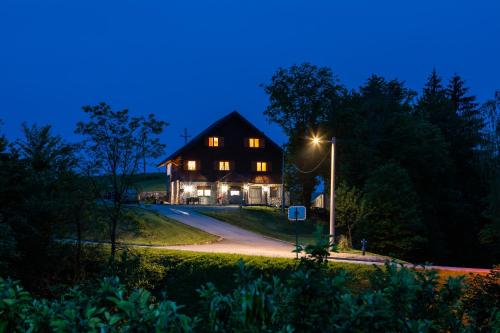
[233,239]
[240,241]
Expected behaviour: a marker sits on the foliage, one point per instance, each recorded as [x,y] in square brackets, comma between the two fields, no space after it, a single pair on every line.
[442,140]
[351,210]
[299,99]
[110,308]
[481,296]
[115,144]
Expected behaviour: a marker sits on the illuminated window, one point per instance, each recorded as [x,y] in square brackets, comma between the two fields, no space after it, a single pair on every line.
[191,165]
[234,193]
[203,192]
[253,143]
[213,141]
[224,165]
[261,166]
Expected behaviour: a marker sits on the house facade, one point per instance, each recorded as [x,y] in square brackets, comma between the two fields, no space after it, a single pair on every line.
[230,162]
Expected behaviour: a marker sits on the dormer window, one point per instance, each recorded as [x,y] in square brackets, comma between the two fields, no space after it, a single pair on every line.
[191,165]
[261,167]
[254,142]
[223,165]
[213,141]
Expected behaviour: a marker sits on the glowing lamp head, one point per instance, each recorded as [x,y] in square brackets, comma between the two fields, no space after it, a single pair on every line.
[265,189]
[316,140]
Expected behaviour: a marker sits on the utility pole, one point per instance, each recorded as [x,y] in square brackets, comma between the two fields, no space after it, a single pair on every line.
[185,136]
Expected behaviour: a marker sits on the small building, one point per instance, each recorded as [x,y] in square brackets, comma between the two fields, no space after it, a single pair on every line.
[230,162]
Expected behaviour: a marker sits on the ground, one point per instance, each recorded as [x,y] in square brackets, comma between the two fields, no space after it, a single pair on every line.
[144,227]
[236,239]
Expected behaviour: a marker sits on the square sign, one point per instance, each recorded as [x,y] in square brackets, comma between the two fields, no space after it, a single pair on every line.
[297,213]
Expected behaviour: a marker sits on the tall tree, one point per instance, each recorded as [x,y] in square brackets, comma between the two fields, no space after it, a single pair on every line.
[115,144]
[299,99]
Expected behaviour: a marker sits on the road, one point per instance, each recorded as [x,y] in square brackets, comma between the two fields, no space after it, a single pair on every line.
[241,241]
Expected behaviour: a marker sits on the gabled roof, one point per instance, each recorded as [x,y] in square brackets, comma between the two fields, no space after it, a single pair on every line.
[201,136]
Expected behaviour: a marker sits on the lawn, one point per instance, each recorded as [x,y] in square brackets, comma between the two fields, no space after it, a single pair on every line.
[144,227]
[266,221]
[150,182]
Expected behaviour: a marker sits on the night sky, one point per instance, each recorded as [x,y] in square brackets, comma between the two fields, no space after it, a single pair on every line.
[190,62]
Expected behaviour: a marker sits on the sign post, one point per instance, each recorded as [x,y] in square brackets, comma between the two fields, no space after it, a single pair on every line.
[296,213]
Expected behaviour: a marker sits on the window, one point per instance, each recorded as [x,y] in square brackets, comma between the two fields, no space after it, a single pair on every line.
[253,142]
[203,192]
[234,193]
[224,165]
[191,165]
[261,166]
[213,141]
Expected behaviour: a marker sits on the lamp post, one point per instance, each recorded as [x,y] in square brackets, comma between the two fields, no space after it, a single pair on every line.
[332,191]
[316,141]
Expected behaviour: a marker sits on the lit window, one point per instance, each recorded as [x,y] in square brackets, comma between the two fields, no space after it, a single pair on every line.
[234,193]
[224,165]
[253,143]
[213,141]
[203,192]
[261,166]
[191,165]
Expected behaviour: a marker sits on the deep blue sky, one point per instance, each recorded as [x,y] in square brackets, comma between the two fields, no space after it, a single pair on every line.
[193,62]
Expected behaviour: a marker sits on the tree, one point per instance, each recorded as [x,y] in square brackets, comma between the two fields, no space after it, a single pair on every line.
[351,209]
[151,146]
[394,227]
[115,144]
[300,97]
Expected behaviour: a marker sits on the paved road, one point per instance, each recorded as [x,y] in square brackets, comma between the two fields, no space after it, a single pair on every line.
[233,239]
[240,241]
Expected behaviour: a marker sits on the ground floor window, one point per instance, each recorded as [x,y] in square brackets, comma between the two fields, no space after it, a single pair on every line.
[204,191]
[273,193]
[234,193]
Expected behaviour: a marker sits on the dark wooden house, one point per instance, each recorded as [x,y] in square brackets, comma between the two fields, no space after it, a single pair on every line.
[230,162]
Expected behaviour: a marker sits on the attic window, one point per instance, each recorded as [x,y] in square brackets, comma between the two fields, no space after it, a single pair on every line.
[213,141]
[224,165]
[261,166]
[254,143]
[191,165]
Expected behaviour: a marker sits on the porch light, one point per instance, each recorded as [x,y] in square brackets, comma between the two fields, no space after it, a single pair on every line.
[188,188]
[224,188]
[245,187]
[265,188]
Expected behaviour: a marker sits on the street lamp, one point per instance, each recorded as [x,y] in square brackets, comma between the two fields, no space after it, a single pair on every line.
[316,141]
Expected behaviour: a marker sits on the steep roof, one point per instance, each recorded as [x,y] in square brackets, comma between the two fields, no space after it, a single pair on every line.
[221,121]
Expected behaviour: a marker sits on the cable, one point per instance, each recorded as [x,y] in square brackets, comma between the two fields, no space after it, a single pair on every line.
[313,169]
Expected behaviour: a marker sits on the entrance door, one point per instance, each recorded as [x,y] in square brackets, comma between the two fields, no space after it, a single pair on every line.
[255,196]
[235,195]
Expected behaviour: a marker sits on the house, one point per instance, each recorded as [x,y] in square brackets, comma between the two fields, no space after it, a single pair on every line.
[230,162]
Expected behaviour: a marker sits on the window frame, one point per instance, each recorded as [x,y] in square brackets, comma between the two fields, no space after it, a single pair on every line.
[224,166]
[214,141]
[191,165]
[254,143]
[261,166]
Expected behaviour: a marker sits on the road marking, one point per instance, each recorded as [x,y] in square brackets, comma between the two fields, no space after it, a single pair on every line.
[179,211]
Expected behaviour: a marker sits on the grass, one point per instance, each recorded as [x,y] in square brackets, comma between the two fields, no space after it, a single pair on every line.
[181,273]
[150,182]
[266,221]
[143,227]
